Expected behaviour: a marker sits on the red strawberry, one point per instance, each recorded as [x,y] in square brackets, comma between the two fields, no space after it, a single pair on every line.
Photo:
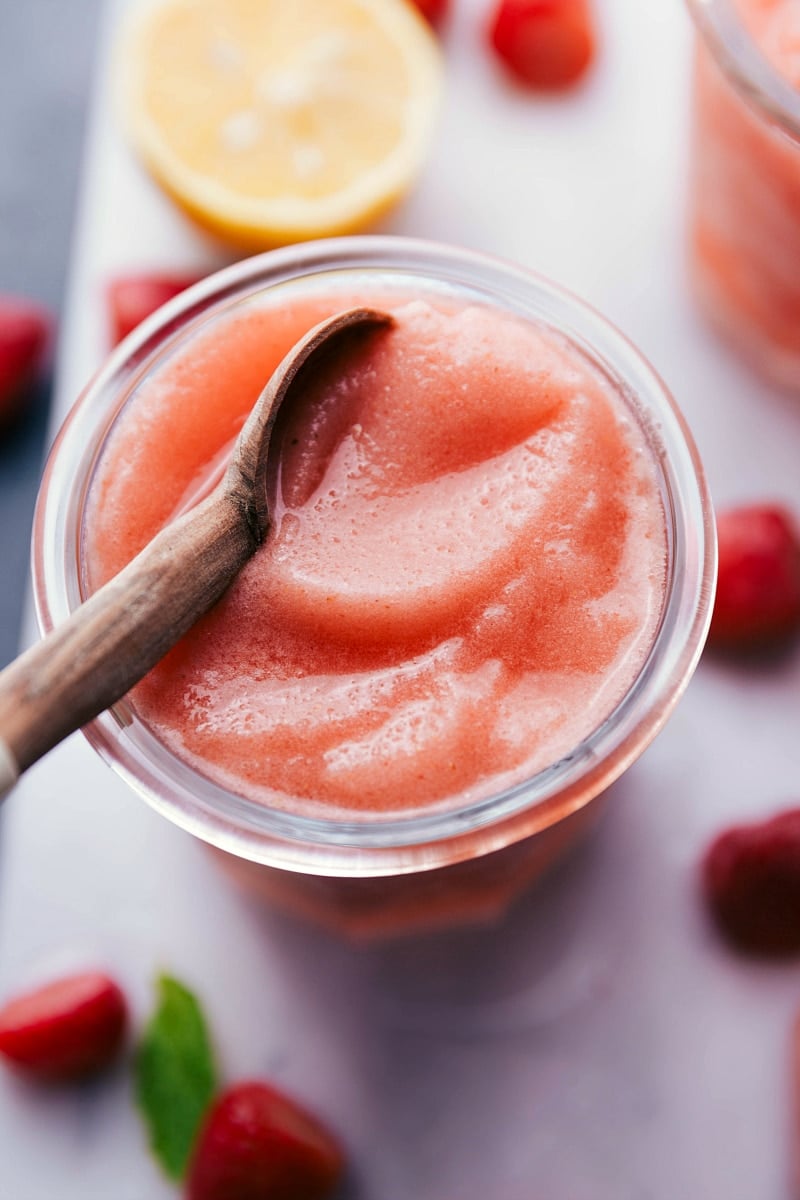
[257,1144]
[131,298]
[434,11]
[751,880]
[757,604]
[24,338]
[545,43]
[66,1029]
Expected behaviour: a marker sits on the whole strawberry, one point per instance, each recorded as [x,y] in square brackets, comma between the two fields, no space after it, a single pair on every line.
[751,882]
[131,298]
[25,330]
[65,1030]
[257,1144]
[545,44]
[757,605]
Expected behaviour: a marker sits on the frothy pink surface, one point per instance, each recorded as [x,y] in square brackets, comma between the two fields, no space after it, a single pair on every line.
[465,573]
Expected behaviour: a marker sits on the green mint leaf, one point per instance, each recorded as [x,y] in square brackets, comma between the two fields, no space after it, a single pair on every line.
[175,1076]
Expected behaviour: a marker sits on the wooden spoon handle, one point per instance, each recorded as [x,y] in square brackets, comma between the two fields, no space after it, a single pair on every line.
[112,640]
[8,770]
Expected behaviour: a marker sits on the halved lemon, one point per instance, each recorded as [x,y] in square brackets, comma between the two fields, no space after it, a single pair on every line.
[271,121]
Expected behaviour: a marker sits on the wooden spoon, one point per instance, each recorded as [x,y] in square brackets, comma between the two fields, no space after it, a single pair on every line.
[114,638]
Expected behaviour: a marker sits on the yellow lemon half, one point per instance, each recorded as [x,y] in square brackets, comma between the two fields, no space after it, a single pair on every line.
[271,121]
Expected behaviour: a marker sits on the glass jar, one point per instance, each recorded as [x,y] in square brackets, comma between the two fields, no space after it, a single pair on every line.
[745,193]
[431,868]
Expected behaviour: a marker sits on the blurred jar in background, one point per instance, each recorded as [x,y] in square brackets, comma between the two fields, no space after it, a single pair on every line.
[745,181]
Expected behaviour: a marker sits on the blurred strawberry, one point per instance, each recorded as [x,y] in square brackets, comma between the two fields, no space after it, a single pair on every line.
[546,44]
[131,298]
[757,604]
[257,1144]
[434,11]
[25,330]
[751,882]
[65,1030]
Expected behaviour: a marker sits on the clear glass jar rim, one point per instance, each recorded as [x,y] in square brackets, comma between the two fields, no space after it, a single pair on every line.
[418,841]
[745,65]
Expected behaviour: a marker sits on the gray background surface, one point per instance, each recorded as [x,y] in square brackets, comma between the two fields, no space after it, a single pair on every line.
[46,55]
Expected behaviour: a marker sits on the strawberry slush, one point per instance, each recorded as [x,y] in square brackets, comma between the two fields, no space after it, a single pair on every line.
[465,572]
[745,203]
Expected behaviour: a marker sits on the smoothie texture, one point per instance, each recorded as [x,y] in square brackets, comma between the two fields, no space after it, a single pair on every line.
[746,198]
[465,572]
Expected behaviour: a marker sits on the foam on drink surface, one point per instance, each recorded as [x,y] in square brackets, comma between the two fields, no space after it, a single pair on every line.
[464,576]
